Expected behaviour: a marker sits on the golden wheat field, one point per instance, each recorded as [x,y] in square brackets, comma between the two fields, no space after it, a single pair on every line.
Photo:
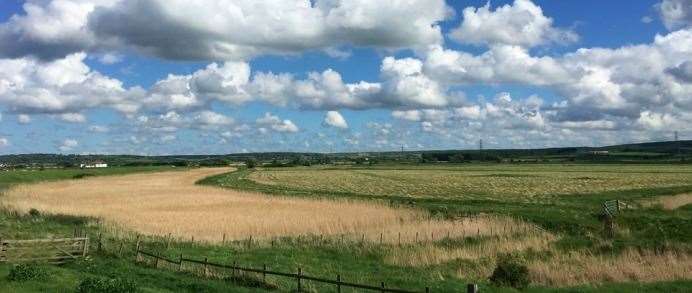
[510,183]
[170,202]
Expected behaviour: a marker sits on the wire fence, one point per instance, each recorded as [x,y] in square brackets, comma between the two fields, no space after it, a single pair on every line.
[212,269]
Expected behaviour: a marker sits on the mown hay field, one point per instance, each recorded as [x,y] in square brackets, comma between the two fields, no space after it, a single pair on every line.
[474,182]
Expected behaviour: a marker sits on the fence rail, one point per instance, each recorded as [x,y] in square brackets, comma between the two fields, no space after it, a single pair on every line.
[299,277]
[58,250]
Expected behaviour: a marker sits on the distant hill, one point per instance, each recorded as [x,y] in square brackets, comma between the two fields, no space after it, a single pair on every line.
[661,152]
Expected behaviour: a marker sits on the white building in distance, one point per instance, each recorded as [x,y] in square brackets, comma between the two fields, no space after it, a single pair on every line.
[96,164]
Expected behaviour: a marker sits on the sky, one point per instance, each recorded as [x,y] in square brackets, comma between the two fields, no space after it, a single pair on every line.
[159,77]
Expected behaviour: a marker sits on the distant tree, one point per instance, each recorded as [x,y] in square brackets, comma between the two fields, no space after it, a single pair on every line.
[457,158]
[251,163]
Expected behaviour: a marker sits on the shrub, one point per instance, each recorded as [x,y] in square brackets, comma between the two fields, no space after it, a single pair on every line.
[27,272]
[82,175]
[34,213]
[510,272]
[106,285]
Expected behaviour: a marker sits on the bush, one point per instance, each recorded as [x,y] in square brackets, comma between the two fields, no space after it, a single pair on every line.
[82,175]
[251,164]
[27,272]
[34,213]
[106,285]
[510,272]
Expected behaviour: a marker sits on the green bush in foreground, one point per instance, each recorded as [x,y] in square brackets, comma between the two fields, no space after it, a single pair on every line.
[510,272]
[27,272]
[106,285]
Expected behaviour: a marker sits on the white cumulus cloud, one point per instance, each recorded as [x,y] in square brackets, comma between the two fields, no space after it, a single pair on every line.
[218,29]
[68,145]
[334,119]
[676,13]
[275,123]
[521,23]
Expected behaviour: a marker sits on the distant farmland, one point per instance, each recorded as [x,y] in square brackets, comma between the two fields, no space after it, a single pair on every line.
[509,182]
[446,225]
[565,199]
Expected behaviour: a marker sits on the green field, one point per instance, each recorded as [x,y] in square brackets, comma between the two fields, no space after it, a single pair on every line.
[510,182]
[563,199]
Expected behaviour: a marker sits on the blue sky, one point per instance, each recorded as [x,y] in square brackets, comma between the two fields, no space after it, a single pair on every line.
[109,76]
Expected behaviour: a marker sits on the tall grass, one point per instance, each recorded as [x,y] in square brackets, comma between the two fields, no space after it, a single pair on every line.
[671,202]
[170,203]
[487,249]
[576,268]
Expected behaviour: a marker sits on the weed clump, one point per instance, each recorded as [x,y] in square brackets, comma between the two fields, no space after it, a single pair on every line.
[510,272]
[27,272]
[106,285]
[34,213]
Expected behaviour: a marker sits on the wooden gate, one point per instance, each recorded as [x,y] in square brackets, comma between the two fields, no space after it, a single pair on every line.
[43,250]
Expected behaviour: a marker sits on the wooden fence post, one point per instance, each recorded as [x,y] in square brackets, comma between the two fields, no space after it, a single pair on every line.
[120,250]
[233,271]
[2,250]
[137,256]
[300,277]
[206,269]
[383,288]
[180,263]
[99,245]
[264,273]
[168,241]
[472,288]
[427,289]
[85,249]
[223,241]
[338,283]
